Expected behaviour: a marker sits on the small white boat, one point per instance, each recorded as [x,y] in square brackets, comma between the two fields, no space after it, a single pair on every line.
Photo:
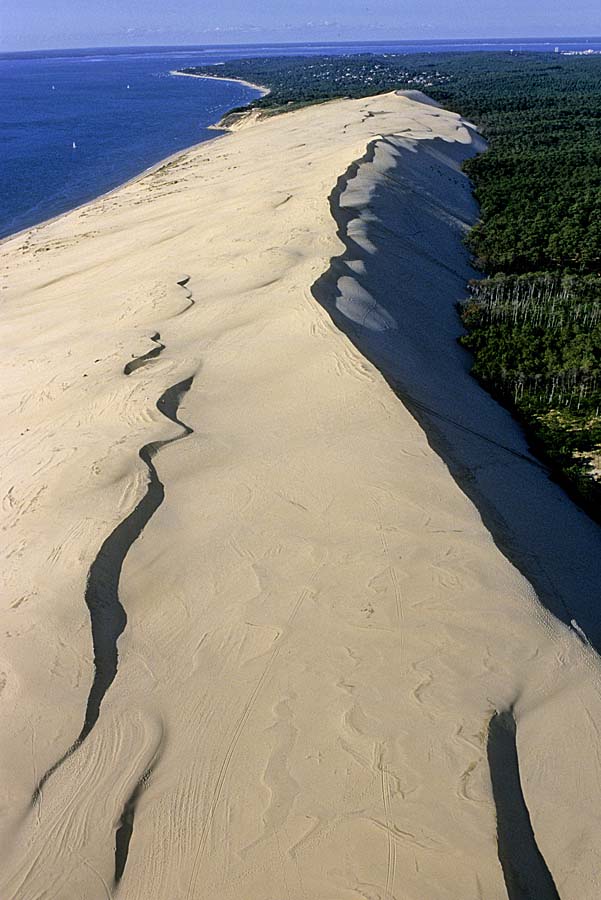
[74,145]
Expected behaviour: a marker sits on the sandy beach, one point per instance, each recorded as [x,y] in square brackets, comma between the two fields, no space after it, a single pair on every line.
[263,636]
[258,87]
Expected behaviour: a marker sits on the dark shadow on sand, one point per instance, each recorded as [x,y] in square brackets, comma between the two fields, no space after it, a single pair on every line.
[404,250]
[107,615]
[524,868]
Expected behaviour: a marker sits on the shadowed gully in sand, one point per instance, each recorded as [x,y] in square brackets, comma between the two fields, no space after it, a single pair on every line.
[125,827]
[107,615]
[524,868]
[140,361]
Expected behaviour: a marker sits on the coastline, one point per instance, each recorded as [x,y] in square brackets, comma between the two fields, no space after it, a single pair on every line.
[145,172]
[257,87]
[173,157]
[304,562]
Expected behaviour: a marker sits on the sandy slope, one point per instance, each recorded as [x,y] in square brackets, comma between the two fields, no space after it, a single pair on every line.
[318,625]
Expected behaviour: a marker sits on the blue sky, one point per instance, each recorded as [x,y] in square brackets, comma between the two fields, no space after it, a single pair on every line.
[32,24]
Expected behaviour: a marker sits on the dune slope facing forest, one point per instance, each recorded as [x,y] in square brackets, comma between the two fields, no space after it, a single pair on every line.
[257,640]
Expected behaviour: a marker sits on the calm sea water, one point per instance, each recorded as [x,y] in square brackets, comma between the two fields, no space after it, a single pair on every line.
[124,112]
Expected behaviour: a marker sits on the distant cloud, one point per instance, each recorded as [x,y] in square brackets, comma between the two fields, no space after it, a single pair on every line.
[30,24]
[283,27]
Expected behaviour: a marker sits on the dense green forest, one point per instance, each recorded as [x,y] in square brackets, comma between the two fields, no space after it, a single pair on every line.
[536,341]
[534,324]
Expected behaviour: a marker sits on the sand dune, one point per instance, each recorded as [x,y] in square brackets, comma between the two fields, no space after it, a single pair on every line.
[253,630]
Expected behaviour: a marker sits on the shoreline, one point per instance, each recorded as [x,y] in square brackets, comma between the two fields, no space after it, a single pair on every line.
[107,194]
[257,87]
[216,126]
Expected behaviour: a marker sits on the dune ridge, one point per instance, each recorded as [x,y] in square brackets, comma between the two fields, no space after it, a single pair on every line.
[411,335]
[320,627]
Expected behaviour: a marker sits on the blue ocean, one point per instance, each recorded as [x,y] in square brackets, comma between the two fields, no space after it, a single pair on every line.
[77,123]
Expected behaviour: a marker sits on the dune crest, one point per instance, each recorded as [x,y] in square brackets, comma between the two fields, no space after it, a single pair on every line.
[308,628]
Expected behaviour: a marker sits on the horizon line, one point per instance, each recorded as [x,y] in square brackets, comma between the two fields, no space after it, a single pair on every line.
[333,43]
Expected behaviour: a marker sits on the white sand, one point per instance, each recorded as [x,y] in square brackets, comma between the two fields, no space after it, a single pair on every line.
[319,625]
[258,87]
